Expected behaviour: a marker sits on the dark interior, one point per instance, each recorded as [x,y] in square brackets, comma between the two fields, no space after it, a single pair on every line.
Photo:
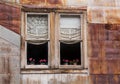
[35,53]
[70,53]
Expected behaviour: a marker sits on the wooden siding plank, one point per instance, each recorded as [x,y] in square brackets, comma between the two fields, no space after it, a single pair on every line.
[51,79]
[44,78]
[64,79]
[58,79]
[4,79]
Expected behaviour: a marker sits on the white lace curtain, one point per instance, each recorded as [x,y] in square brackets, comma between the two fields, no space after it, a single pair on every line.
[70,29]
[37,26]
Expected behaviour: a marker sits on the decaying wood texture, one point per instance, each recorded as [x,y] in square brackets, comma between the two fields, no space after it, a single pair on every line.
[55,79]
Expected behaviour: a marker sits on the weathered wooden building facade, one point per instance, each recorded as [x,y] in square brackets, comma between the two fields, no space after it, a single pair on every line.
[59,42]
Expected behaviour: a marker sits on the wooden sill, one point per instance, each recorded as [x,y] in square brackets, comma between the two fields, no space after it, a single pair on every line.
[54,71]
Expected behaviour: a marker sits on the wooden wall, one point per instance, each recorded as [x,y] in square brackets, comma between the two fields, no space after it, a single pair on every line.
[9,63]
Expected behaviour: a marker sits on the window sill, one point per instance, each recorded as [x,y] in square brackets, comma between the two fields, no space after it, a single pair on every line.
[54,71]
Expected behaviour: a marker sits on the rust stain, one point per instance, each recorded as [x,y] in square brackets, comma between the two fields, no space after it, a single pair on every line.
[10,17]
[54,1]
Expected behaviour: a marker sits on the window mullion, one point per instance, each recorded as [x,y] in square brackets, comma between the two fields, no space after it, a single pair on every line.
[52,40]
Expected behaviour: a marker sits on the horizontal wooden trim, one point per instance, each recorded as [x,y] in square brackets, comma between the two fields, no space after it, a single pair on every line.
[54,71]
[29,8]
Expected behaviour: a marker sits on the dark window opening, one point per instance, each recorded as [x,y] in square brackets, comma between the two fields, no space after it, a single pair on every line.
[70,54]
[37,54]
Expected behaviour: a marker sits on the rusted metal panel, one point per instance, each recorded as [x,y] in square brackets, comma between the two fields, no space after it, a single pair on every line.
[95,66]
[106,3]
[104,49]
[10,17]
[105,79]
[56,3]
[103,15]
[11,1]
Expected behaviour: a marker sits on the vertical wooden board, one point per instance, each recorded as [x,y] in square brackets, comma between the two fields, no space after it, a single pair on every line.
[94,66]
[51,78]
[64,79]
[14,65]
[44,78]
[52,40]
[102,79]
[4,79]
[23,79]
[2,65]
[15,79]
[58,79]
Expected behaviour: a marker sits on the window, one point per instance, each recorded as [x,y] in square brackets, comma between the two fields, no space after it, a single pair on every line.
[53,40]
[70,41]
[37,40]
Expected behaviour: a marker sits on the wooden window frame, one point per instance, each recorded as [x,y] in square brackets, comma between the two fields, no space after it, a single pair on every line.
[53,43]
[81,42]
[24,54]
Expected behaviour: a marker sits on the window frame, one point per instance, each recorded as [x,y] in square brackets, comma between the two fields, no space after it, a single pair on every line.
[54,60]
[80,40]
[36,39]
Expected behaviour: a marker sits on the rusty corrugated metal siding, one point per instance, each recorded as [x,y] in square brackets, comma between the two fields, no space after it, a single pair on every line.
[104,54]
[10,17]
[104,11]
[103,43]
[55,3]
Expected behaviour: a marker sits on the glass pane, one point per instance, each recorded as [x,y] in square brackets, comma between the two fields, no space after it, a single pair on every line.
[37,54]
[37,25]
[70,54]
[70,27]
